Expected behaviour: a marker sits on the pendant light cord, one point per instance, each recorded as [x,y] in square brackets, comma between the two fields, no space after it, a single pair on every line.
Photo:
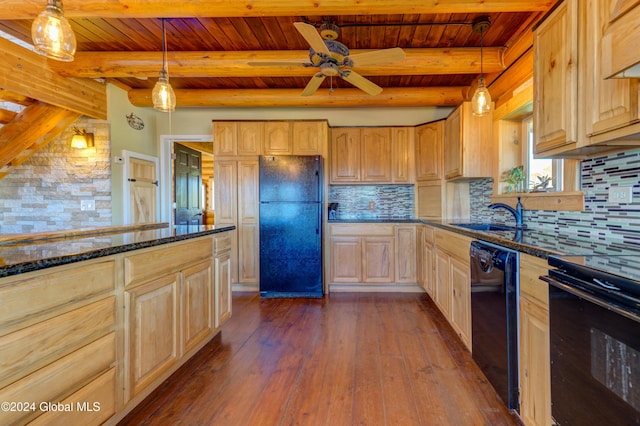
[164,48]
[481,55]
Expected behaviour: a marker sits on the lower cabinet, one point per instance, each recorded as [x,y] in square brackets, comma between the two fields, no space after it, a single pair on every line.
[452,289]
[372,254]
[223,273]
[535,363]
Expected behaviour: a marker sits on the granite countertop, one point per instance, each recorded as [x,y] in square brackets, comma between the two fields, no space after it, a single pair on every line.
[385,219]
[17,257]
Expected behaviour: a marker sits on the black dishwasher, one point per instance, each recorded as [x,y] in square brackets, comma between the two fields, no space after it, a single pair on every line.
[494,317]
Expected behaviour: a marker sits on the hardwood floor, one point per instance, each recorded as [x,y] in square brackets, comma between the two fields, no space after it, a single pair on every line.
[346,359]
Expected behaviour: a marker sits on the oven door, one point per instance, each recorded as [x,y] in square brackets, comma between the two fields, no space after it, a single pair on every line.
[595,358]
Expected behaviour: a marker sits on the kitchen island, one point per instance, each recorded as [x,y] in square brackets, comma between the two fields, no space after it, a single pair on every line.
[91,321]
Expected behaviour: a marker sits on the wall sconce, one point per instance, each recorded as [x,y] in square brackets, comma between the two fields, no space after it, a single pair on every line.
[81,139]
[52,34]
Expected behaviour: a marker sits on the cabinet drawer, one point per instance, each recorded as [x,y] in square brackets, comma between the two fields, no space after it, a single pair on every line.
[44,295]
[222,243]
[157,262]
[429,234]
[58,380]
[362,229]
[453,244]
[26,350]
[91,405]
[531,286]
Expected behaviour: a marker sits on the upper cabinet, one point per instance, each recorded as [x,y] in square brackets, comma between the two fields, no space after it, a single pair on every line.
[429,144]
[577,109]
[251,138]
[371,155]
[556,79]
[468,150]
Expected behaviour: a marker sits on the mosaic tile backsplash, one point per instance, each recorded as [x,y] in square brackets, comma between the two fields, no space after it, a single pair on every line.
[373,201]
[607,227]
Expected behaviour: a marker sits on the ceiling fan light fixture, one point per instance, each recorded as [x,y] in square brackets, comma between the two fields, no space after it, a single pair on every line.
[163,96]
[481,100]
[52,34]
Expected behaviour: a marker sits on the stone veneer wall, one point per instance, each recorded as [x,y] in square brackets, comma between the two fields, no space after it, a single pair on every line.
[391,201]
[44,193]
[600,221]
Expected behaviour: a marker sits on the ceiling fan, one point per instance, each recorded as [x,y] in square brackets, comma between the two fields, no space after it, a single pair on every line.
[332,58]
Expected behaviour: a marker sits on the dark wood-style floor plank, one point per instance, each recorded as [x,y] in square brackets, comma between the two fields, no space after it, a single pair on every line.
[346,359]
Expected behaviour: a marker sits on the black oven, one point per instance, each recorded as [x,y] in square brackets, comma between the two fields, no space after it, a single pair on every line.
[594,320]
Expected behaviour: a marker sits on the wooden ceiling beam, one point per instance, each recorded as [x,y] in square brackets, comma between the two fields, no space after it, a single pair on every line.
[29,9]
[236,64]
[28,74]
[343,97]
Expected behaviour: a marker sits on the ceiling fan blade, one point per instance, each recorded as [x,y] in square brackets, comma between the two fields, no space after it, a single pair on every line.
[383,56]
[313,85]
[360,82]
[312,36]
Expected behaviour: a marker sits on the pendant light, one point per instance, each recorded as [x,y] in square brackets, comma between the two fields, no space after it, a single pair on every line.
[52,34]
[163,96]
[481,101]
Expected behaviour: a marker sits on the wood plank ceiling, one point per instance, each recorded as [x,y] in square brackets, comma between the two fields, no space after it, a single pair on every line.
[211,42]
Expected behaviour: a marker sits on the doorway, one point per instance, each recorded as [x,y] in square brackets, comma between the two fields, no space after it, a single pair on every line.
[193,183]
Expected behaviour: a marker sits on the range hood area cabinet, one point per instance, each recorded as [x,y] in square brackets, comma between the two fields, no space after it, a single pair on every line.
[620,54]
[577,110]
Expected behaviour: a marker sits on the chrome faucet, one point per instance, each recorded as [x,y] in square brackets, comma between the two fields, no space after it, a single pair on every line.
[517,212]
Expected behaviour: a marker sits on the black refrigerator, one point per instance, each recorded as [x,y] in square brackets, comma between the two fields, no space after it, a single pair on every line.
[291,226]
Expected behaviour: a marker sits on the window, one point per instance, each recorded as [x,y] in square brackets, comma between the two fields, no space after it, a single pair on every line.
[541,175]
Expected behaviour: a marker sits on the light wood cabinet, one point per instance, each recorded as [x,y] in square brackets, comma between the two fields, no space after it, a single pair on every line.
[611,105]
[277,138]
[467,139]
[453,281]
[197,304]
[249,137]
[225,140]
[371,155]
[222,279]
[429,143]
[377,260]
[153,335]
[309,137]
[555,83]
[425,259]
[535,363]
[372,254]
[375,155]
[345,155]
[237,203]
[405,254]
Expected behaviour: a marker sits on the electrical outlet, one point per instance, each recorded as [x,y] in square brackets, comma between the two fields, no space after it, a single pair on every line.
[87,205]
[372,205]
[620,194]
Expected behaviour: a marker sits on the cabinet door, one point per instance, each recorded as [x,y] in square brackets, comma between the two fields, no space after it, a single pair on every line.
[152,343]
[222,288]
[555,76]
[429,144]
[535,404]
[309,137]
[376,155]
[345,155]
[346,260]
[405,255]
[609,103]
[277,138]
[427,269]
[225,194]
[248,218]
[224,138]
[442,288]
[377,260]
[453,145]
[402,158]
[197,295]
[461,299]
[249,137]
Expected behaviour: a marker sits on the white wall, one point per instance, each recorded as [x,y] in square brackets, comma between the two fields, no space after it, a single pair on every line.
[197,121]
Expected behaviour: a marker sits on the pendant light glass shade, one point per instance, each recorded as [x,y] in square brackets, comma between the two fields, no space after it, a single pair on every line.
[481,101]
[52,34]
[163,96]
